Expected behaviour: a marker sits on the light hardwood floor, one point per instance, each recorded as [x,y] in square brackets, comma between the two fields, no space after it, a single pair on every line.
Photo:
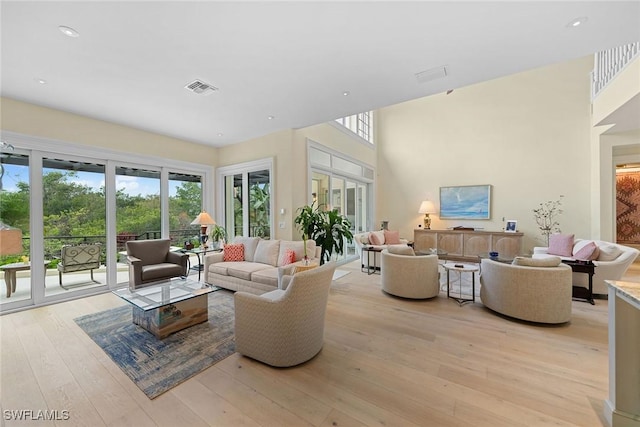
[385,362]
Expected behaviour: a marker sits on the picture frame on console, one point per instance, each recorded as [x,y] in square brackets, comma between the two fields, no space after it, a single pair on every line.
[512,226]
[465,202]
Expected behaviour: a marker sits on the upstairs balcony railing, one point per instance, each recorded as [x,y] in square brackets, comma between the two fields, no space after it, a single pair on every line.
[608,63]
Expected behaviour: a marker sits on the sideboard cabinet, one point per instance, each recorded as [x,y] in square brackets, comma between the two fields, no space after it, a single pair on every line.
[466,245]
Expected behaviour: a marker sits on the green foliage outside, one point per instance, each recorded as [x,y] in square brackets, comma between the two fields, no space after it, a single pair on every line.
[75,212]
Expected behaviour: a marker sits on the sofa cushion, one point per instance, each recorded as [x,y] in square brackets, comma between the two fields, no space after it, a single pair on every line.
[548,261]
[233,252]
[245,270]
[561,244]
[391,237]
[609,252]
[364,239]
[400,250]
[376,238]
[266,276]
[298,247]
[267,252]
[586,250]
[250,244]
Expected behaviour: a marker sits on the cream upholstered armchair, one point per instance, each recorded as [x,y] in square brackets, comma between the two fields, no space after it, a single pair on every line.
[406,275]
[538,290]
[152,260]
[284,327]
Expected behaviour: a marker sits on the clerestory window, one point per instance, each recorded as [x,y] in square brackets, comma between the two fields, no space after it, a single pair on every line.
[361,124]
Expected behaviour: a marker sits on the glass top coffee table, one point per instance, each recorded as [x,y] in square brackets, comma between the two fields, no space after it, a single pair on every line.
[168,306]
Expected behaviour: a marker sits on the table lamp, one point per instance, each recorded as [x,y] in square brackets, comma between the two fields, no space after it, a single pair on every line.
[427,207]
[203,220]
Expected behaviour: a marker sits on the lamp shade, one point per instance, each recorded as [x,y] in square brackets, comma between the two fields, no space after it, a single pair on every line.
[203,218]
[427,207]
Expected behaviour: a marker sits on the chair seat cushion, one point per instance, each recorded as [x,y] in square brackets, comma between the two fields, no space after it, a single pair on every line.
[160,271]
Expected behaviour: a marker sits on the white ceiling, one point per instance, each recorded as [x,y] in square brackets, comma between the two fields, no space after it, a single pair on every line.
[289,60]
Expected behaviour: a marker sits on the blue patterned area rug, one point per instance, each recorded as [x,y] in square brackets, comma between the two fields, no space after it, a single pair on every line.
[155,365]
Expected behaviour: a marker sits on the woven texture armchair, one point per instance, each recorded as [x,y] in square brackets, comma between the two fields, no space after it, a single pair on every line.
[284,327]
[536,294]
[152,260]
[409,276]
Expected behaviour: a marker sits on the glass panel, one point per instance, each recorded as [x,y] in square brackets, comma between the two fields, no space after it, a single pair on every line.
[137,205]
[320,189]
[259,204]
[337,195]
[233,205]
[346,166]
[14,226]
[319,158]
[74,215]
[185,203]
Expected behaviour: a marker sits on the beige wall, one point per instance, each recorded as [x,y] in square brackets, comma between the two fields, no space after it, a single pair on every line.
[288,149]
[528,135]
[33,120]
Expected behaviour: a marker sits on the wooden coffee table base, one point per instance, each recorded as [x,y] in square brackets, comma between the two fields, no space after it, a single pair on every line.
[165,320]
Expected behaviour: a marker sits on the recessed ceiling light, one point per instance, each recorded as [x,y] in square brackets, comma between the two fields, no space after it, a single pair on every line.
[346,93]
[271,117]
[221,134]
[577,22]
[68,31]
[41,81]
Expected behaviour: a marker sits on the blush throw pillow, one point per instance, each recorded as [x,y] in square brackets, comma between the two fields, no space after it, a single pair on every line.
[391,237]
[289,257]
[234,252]
[587,252]
[561,244]
[376,238]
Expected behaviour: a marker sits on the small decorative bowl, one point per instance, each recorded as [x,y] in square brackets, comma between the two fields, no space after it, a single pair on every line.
[493,254]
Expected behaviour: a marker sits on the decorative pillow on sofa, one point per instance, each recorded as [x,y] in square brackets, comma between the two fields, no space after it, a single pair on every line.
[289,257]
[376,238]
[609,252]
[364,239]
[549,261]
[250,244]
[561,244]
[391,237]
[267,252]
[586,250]
[233,252]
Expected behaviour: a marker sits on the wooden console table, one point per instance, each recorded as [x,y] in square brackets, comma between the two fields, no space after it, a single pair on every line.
[467,245]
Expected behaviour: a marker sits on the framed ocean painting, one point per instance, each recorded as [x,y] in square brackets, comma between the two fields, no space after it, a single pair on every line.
[465,202]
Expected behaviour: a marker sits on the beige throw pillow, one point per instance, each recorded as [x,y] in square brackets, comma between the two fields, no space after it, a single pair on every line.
[400,250]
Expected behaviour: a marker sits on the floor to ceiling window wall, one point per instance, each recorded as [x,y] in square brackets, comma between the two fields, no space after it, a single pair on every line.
[343,184]
[86,198]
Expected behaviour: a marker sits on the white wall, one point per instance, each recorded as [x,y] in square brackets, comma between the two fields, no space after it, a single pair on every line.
[528,135]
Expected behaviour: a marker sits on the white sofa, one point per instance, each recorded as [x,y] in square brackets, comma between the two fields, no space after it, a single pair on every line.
[259,271]
[612,263]
[363,239]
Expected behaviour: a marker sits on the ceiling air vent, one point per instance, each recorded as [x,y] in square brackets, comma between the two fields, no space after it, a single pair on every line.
[431,74]
[200,87]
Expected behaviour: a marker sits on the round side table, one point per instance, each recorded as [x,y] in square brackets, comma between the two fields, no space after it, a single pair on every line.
[461,268]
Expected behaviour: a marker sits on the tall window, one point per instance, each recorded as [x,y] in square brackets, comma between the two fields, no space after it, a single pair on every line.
[73,212]
[246,202]
[360,124]
[185,203]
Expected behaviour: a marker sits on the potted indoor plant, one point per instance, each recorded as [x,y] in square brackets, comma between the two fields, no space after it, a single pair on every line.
[329,229]
[217,234]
